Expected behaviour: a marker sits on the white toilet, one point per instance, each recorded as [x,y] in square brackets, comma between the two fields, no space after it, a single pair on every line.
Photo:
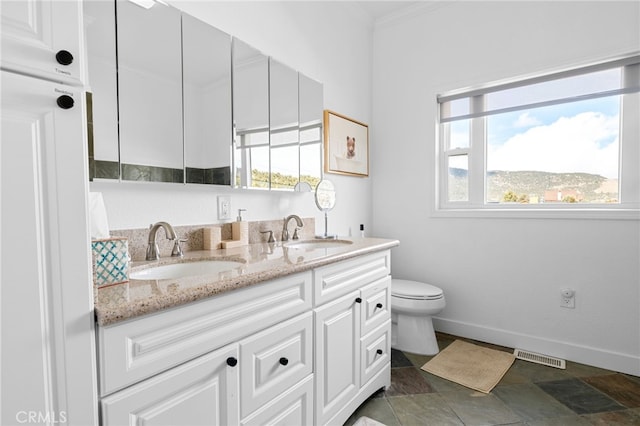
[412,305]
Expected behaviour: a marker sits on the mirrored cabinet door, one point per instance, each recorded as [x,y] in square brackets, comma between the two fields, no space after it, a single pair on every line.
[150,92]
[283,126]
[310,107]
[250,116]
[206,71]
[100,30]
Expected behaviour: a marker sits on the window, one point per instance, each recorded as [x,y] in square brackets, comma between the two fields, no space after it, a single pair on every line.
[565,141]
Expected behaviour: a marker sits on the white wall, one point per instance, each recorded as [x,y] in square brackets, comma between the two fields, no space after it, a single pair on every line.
[328,42]
[502,277]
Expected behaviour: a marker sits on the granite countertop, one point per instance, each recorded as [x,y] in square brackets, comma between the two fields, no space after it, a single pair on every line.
[258,263]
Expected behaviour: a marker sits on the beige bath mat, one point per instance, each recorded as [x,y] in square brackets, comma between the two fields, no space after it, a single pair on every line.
[470,365]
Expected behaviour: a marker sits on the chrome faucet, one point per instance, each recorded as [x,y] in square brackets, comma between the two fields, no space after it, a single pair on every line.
[285,231]
[153,253]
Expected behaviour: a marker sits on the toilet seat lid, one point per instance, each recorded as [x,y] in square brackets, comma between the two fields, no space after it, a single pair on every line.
[414,290]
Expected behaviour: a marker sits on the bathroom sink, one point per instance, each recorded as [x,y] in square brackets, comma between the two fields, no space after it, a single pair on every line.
[182,270]
[314,244]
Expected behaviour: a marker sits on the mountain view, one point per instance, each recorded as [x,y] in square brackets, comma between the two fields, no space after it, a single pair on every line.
[540,187]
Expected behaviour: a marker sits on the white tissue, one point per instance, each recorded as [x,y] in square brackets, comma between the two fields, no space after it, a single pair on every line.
[98,216]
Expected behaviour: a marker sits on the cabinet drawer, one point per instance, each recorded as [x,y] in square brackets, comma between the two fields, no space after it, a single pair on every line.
[274,360]
[338,279]
[375,351]
[376,304]
[134,350]
[293,407]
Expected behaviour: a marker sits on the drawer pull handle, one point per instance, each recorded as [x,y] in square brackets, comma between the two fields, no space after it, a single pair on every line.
[379,306]
[379,351]
[284,361]
[64,57]
[232,362]
[358,300]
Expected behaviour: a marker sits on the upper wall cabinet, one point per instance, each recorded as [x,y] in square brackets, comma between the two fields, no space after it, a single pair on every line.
[100,29]
[42,38]
[206,73]
[310,109]
[284,141]
[166,108]
[150,92]
[250,116]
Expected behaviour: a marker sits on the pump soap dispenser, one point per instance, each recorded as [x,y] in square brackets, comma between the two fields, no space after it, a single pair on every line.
[239,232]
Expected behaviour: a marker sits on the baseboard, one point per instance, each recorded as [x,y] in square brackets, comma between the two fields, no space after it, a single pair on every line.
[596,357]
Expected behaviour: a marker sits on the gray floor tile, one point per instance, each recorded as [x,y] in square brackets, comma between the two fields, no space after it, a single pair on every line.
[574,420]
[407,381]
[580,370]
[423,410]
[530,402]
[538,372]
[579,396]
[398,359]
[476,408]
[614,418]
[377,409]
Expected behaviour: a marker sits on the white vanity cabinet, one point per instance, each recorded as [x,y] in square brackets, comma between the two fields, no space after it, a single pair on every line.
[304,349]
[353,334]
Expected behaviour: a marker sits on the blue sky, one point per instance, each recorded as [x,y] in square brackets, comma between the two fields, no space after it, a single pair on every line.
[573,137]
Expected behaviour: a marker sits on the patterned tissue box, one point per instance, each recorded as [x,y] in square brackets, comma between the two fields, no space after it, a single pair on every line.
[111,260]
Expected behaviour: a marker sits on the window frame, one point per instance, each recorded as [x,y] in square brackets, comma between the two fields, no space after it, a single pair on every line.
[476,205]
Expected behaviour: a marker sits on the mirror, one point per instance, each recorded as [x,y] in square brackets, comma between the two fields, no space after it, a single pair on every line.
[150,92]
[326,201]
[283,126]
[100,37]
[310,108]
[206,73]
[251,116]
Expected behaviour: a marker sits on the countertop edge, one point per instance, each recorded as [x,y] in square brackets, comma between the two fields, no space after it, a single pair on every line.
[106,316]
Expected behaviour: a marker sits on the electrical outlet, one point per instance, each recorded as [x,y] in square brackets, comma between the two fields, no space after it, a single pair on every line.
[224,207]
[567,298]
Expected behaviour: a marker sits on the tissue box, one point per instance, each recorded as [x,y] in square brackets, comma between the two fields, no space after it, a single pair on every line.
[111,260]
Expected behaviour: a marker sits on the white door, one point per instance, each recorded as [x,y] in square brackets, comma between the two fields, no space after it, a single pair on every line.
[200,392]
[337,354]
[48,359]
[43,38]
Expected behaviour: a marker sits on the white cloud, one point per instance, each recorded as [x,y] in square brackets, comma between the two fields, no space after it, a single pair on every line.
[526,120]
[574,144]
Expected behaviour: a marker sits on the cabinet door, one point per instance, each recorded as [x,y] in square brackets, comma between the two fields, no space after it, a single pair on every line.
[42,38]
[45,261]
[337,330]
[201,392]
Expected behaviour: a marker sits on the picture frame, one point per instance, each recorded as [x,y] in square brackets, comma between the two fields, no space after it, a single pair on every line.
[346,145]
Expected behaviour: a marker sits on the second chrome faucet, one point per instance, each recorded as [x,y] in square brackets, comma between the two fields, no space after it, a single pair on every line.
[285,230]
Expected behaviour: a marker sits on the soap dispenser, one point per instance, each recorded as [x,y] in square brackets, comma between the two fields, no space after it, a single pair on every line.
[240,229]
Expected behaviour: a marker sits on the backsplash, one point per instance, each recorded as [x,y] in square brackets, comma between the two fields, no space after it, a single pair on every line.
[139,238]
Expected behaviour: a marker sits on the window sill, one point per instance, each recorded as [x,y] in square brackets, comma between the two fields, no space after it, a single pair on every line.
[517,212]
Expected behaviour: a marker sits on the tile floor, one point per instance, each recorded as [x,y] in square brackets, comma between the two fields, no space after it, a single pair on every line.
[529,394]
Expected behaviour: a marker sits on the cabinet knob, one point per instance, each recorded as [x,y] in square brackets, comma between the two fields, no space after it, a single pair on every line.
[358,300]
[379,351]
[65,102]
[284,361]
[232,362]
[64,57]
[379,305]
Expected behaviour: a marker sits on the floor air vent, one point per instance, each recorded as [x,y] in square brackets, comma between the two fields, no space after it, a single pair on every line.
[540,359]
